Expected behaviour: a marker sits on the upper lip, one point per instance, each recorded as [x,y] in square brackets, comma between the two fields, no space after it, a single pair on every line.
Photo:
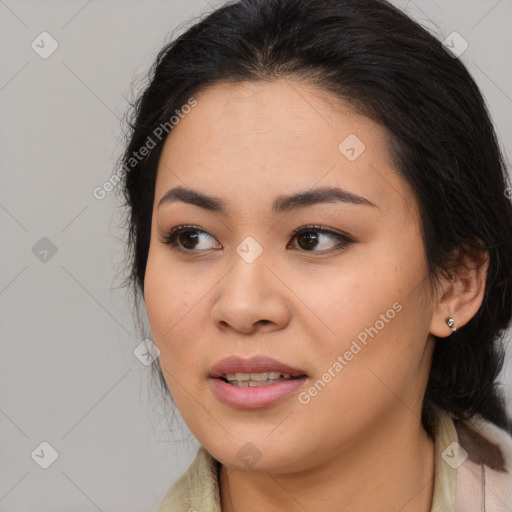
[256,364]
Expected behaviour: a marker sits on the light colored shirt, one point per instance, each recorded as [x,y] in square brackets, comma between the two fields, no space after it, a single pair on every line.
[473,472]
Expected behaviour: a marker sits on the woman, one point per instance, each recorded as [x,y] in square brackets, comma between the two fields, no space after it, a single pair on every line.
[320,233]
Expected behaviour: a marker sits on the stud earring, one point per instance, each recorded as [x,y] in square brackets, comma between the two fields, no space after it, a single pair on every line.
[451,323]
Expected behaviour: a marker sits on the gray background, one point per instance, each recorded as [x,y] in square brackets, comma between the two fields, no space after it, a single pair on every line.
[68,373]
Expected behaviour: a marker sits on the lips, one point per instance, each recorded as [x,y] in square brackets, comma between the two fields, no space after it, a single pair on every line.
[256,364]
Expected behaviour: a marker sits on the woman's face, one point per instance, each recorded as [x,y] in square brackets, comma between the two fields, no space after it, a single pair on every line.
[345,303]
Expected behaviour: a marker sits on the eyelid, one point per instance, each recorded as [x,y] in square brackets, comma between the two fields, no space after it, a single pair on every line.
[321,229]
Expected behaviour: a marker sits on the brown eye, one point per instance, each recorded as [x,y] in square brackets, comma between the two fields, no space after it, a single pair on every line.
[307,240]
[189,239]
[310,239]
[318,239]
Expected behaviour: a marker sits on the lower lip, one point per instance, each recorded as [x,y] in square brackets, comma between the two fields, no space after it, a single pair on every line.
[256,396]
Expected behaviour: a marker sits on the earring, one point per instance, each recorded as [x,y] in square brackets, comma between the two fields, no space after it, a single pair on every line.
[451,323]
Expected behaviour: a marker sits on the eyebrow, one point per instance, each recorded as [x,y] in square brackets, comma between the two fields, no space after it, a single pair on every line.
[283,203]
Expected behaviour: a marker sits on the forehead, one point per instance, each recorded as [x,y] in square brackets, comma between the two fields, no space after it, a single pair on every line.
[280,113]
[277,135]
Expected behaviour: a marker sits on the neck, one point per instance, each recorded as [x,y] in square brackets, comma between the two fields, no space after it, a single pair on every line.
[391,468]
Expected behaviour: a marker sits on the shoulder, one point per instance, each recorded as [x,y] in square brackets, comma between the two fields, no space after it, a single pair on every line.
[197,490]
[484,477]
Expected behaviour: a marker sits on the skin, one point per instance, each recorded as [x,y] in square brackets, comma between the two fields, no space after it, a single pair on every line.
[358,444]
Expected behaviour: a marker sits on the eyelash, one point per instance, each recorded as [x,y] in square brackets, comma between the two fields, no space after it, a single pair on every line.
[345,241]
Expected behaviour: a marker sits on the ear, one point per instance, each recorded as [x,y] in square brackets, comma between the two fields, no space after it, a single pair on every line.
[460,295]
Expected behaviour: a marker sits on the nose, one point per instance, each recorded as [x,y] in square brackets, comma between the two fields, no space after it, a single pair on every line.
[251,298]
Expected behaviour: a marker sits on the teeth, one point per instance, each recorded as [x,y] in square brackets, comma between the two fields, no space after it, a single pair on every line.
[256,377]
[246,384]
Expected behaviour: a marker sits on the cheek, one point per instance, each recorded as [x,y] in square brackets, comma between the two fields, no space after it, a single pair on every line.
[169,306]
[358,297]
[170,310]
[375,365]
[377,314]
[167,291]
